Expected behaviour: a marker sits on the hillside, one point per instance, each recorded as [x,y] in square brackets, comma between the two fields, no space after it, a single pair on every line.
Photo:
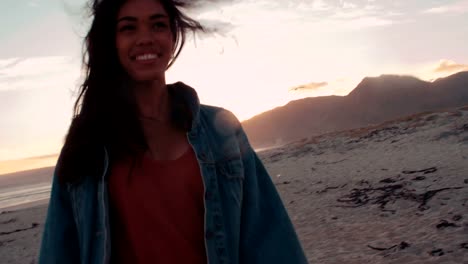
[373,101]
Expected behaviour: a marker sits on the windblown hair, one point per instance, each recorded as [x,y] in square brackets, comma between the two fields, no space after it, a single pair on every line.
[105,112]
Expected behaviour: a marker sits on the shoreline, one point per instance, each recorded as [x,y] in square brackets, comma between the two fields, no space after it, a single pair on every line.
[25,206]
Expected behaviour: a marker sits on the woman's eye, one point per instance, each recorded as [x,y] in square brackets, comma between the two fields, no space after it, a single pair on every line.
[126,28]
[160,25]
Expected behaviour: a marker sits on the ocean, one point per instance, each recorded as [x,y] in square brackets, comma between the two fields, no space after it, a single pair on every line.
[21,195]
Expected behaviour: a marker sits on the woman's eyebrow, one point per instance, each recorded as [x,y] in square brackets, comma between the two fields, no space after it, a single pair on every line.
[127,18]
[156,16]
[134,19]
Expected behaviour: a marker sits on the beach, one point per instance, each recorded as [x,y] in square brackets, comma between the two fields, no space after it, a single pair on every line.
[20,234]
[391,193]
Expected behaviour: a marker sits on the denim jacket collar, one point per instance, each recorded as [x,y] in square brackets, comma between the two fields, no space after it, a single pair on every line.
[190,97]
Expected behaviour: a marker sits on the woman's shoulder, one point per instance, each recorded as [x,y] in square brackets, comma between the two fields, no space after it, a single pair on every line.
[224,129]
[212,109]
[219,117]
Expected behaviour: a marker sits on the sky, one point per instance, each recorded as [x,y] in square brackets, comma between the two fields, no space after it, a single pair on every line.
[265,53]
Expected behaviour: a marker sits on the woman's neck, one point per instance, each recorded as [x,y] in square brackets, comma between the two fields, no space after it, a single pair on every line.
[153,100]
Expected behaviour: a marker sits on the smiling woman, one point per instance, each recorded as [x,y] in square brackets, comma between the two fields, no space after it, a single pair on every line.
[143,61]
[147,174]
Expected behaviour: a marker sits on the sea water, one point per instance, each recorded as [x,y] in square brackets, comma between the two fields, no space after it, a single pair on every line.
[15,196]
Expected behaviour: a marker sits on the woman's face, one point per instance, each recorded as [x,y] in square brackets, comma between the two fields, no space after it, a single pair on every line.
[144,39]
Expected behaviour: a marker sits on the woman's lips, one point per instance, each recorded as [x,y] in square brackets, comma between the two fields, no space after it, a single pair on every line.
[146,58]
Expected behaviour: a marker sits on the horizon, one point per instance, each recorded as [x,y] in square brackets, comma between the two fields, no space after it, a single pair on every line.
[49,160]
[278,51]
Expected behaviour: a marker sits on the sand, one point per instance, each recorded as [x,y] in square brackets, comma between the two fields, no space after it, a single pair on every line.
[20,234]
[314,175]
[393,193]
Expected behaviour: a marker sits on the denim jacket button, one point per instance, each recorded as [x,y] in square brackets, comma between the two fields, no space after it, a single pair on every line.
[220,251]
[209,234]
[203,156]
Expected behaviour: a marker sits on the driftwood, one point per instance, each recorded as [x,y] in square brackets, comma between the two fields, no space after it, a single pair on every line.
[437,252]
[9,221]
[425,171]
[390,193]
[402,245]
[425,197]
[33,225]
[457,217]
[330,188]
[444,224]
[388,180]
[380,195]
[6,242]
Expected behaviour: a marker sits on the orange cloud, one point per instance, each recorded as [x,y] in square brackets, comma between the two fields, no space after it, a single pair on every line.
[450,67]
[309,87]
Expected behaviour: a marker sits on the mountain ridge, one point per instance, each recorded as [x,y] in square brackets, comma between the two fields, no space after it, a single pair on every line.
[374,100]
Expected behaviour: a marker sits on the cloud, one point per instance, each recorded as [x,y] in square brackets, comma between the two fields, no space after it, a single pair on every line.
[347,5]
[355,16]
[216,26]
[320,5]
[309,87]
[52,35]
[227,16]
[209,5]
[206,3]
[35,104]
[5,64]
[459,7]
[449,66]
[33,3]
[367,22]
[351,14]
[35,73]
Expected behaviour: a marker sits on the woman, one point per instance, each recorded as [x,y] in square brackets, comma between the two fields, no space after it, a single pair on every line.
[147,174]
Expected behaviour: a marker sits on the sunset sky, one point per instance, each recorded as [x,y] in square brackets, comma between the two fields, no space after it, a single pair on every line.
[265,54]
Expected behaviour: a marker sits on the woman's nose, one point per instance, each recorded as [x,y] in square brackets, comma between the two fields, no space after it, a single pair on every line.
[144,37]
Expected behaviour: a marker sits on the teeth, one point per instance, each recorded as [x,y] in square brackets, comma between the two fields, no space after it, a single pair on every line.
[147,57]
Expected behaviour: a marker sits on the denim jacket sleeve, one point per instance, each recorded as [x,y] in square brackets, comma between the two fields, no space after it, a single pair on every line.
[267,234]
[59,240]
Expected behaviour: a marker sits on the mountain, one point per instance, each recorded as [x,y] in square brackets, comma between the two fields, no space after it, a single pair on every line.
[374,100]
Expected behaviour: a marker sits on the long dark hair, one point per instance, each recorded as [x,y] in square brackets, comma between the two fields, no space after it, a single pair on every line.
[105,112]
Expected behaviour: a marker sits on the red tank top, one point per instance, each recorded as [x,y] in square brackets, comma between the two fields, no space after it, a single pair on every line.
[157,211]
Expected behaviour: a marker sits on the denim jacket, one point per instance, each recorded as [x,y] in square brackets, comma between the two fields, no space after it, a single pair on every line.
[245,219]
